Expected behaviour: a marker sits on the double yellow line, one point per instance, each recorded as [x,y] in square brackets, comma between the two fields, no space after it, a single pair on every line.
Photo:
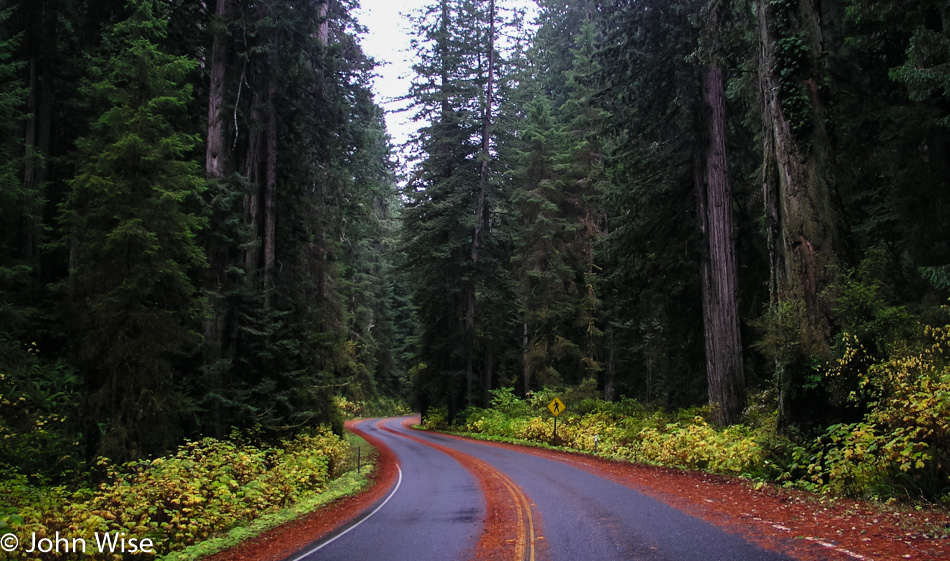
[523,551]
[525,535]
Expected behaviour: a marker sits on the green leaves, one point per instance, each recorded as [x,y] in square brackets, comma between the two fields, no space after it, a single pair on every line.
[204,489]
[133,240]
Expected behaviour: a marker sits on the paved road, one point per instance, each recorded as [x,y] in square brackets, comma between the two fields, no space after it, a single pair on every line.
[433,514]
[436,512]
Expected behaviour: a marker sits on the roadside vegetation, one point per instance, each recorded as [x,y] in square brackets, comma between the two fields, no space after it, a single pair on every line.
[208,495]
[898,447]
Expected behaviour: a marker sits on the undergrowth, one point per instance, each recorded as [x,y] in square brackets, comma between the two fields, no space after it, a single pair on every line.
[207,488]
[899,450]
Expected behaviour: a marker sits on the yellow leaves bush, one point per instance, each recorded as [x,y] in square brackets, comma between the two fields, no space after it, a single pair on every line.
[701,446]
[623,431]
[904,439]
[206,487]
[900,448]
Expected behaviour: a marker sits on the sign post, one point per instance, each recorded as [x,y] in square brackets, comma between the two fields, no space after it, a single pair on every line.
[556,407]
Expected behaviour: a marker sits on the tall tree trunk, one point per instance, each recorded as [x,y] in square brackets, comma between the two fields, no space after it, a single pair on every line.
[724,371]
[270,193]
[216,166]
[526,372]
[216,147]
[323,23]
[487,368]
[254,172]
[41,22]
[798,182]
[481,211]
[610,374]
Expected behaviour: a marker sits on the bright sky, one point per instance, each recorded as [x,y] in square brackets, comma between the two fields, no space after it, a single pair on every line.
[387,41]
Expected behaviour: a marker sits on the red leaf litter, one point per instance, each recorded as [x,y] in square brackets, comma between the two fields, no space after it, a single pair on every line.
[798,524]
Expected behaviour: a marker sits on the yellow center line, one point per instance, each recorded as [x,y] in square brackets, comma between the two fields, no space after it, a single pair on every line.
[525,536]
[522,502]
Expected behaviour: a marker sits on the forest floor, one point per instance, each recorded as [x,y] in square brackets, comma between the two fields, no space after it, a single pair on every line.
[801,525]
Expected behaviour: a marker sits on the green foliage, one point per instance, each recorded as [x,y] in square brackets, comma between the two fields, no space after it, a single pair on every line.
[462,288]
[38,417]
[625,430]
[792,61]
[925,73]
[901,446]
[382,406]
[18,204]
[700,446]
[648,85]
[132,237]
[205,488]
[864,310]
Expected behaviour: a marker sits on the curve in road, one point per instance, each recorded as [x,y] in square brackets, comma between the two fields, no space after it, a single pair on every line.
[438,509]
[434,514]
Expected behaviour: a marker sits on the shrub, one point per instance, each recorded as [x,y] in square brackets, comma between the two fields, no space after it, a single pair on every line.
[207,487]
[903,443]
[698,445]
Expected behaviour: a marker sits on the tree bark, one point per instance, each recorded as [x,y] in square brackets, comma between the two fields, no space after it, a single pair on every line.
[526,372]
[216,165]
[724,370]
[215,152]
[610,371]
[481,211]
[270,193]
[798,182]
[323,23]
[487,374]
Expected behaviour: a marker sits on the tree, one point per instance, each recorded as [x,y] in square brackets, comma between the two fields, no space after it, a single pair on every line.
[448,231]
[557,184]
[669,133]
[131,231]
[724,371]
[18,203]
[547,278]
[803,220]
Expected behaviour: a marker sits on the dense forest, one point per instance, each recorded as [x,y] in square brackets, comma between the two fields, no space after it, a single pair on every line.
[206,230]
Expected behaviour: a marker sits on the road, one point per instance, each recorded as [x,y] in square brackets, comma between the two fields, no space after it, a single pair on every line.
[437,508]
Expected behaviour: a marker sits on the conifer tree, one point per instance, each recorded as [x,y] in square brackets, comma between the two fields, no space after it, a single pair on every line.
[131,232]
[18,204]
[453,246]
[652,282]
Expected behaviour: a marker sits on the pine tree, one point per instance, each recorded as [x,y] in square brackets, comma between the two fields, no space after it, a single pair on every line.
[454,243]
[131,231]
[652,284]
[548,289]
[18,204]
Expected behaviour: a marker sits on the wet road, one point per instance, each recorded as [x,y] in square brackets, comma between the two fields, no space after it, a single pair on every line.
[436,512]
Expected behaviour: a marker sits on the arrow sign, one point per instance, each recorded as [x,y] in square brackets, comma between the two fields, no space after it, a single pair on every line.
[556,407]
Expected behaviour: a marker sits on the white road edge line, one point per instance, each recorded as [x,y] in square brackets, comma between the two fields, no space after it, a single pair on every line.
[354,526]
[847,552]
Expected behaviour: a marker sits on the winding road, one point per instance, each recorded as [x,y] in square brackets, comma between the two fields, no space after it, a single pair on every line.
[554,511]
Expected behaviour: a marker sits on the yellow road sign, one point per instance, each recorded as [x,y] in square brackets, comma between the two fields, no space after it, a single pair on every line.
[556,407]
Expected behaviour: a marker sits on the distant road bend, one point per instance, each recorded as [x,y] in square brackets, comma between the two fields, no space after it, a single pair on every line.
[449,490]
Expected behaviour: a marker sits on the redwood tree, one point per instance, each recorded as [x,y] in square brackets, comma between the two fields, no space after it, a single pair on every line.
[724,371]
[798,181]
